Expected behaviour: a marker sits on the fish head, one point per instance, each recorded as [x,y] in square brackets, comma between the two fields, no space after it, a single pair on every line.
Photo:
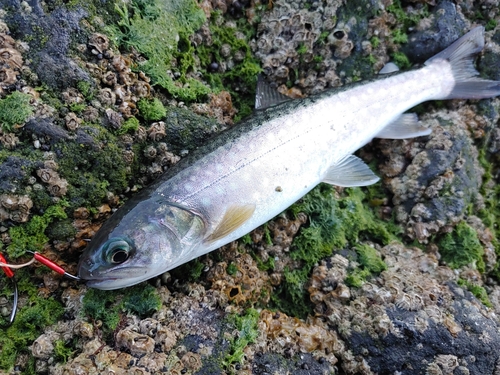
[139,243]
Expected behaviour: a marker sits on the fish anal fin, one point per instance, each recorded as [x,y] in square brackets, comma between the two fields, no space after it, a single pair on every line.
[405,126]
[349,172]
[234,217]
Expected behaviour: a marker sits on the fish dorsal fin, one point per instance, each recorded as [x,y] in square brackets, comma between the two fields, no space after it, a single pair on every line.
[234,217]
[405,126]
[349,172]
[266,96]
[388,68]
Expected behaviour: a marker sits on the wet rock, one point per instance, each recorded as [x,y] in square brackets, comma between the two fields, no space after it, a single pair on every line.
[51,33]
[447,25]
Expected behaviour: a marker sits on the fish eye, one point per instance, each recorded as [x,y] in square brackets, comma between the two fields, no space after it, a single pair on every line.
[117,250]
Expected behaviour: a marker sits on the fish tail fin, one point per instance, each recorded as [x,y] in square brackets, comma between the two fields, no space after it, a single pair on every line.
[460,55]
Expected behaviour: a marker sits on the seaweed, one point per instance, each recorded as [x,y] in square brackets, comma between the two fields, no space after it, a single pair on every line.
[14,110]
[462,247]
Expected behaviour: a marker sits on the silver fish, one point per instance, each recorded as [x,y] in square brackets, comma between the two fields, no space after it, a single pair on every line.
[257,169]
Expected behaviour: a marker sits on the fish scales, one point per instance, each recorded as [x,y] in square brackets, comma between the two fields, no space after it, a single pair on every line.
[255,170]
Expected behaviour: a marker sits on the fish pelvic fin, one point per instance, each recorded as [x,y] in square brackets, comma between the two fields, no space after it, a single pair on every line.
[349,172]
[460,55]
[405,126]
[234,217]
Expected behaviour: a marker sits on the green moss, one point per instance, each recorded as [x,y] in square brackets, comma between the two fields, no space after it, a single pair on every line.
[31,319]
[143,302]
[333,224]
[231,269]
[62,352]
[401,60]
[248,331]
[478,291]
[107,306]
[491,24]
[151,109]
[77,107]
[407,19]
[93,169]
[129,126]
[86,89]
[369,263]
[31,236]
[399,37]
[155,29]
[462,247]
[61,230]
[14,110]
[375,42]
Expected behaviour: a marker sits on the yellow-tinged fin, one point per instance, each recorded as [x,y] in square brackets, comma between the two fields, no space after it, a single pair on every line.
[234,218]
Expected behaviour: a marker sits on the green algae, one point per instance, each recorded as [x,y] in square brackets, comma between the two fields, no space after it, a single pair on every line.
[38,313]
[109,306]
[92,169]
[154,29]
[462,247]
[32,236]
[370,263]
[151,109]
[247,327]
[478,291]
[129,126]
[14,110]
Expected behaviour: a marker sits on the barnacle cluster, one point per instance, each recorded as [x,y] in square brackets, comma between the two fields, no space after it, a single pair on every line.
[11,62]
[289,336]
[15,207]
[290,38]
[160,155]
[56,185]
[120,87]
[239,278]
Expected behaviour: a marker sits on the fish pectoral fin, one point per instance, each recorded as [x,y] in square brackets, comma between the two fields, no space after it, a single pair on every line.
[234,217]
[389,68]
[405,126]
[349,172]
[266,96]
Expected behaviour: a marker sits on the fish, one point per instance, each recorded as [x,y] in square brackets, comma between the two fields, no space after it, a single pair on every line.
[255,170]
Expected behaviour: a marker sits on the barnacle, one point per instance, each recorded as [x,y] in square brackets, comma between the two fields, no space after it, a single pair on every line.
[128,156]
[72,121]
[47,175]
[121,63]
[106,96]
[9,141]
[11,57]
[114,118]
[8,76]
[72,96]
[141,89]
[109,78]
[90,114]
[6,41]
[58,187]
[98,43]
[157,131]
[192,361]
[150,152]
[137,343]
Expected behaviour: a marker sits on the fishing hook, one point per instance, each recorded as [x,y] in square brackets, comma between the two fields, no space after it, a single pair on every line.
[10,274]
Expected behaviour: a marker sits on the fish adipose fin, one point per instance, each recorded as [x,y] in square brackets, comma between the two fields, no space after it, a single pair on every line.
[460,55]
[267,96]
[234,217]
[349,172]
[405,126]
